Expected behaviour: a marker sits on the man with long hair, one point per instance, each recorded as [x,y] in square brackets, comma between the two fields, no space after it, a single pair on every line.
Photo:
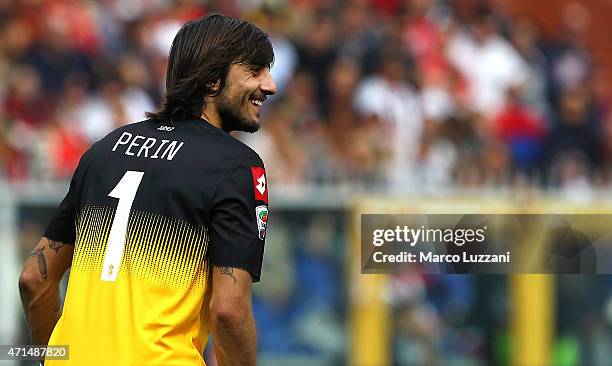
[164,222]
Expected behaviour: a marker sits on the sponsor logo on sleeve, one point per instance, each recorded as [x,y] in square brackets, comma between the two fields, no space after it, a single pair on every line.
[260,184]
[262,220]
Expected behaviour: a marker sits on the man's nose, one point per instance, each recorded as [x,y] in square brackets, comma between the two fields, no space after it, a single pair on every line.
[268,86]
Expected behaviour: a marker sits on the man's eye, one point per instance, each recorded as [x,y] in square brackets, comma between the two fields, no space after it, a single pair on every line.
[256,70]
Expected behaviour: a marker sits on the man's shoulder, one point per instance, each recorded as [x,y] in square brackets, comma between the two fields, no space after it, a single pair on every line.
[129,127]
[239,156]
[241,151]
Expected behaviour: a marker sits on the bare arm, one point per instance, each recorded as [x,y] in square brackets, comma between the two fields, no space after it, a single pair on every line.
[232,322]
[39,286]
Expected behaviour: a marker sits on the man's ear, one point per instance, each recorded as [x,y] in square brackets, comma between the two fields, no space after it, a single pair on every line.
[214,87]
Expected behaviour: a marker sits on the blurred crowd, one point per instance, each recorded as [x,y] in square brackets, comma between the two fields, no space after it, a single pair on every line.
[402,95]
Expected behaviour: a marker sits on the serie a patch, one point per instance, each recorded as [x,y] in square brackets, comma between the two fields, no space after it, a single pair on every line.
[262,220]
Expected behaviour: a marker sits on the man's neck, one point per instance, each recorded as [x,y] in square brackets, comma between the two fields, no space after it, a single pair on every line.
[211,115]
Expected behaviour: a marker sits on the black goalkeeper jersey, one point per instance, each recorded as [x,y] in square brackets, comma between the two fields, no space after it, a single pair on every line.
[151,207]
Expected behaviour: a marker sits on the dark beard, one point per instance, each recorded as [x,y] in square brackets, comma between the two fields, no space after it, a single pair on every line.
[232,119]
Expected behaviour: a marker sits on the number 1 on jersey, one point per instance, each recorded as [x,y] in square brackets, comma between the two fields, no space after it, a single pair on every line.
[125,191]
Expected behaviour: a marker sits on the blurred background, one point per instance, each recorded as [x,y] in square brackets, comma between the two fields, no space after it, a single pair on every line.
[389,100]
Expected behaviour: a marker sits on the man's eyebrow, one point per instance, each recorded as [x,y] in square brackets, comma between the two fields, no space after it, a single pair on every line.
[252,67]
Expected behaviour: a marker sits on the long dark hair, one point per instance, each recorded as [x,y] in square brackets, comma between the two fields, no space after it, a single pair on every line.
[201,54]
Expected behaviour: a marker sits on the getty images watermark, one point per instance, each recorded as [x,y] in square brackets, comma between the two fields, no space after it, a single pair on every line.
[496,244]
[424,236]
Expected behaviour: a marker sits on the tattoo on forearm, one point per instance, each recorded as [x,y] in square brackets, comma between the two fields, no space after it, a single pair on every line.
[42,263]
[228,271]
[55,245]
